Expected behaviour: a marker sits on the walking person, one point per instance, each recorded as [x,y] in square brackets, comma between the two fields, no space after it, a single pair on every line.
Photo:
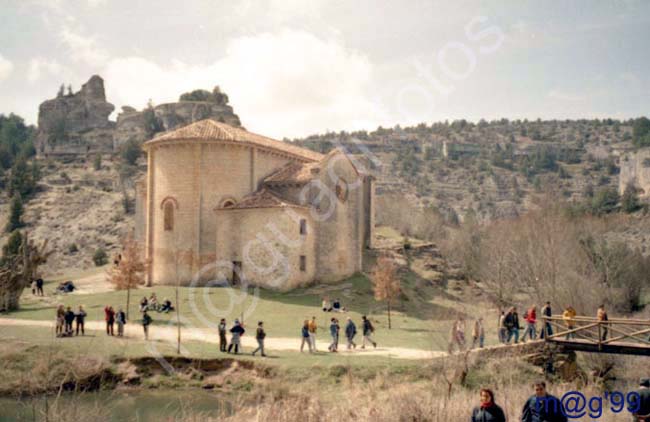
[478,333]
[368,330]
[512,325]
[39,286]
[334,332]
[543,407]
[312,333]
[488,410]
[259,336]
[146,321]
[503,331]
[109,317]
[547,329]
[350,332]
[601,315]
[223,342]
[81,320]
[235,340]
[568,316]
[457,335]
[60,319]
[34,287]
[120,318]
[304,333]
[531,324]
[69,319]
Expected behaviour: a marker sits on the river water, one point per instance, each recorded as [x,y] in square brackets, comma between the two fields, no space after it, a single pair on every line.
[125,405]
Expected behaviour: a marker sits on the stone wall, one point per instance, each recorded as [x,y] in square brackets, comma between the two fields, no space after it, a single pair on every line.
[635,170]
[268,243]
[76,123]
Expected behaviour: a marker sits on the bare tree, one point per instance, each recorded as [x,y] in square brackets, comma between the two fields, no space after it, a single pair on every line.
[18,271]
[385,282]
[130,270]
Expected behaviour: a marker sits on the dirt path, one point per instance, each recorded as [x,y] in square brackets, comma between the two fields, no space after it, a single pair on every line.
[168,334]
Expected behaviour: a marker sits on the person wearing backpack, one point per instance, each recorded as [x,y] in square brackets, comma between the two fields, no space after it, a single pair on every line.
[368,330]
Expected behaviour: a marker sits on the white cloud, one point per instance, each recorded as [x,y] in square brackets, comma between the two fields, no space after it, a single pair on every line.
[82,47]
[6,67]
[39,67]
[289,83]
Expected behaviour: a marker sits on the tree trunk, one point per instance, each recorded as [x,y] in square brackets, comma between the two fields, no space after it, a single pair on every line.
[178,320]
[389,325]
[128,300]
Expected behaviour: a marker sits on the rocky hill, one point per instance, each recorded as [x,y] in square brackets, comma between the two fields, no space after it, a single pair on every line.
[77,124]
[492,169]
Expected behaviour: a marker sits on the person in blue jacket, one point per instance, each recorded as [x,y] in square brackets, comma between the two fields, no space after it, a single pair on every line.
[543,407]
[350,332]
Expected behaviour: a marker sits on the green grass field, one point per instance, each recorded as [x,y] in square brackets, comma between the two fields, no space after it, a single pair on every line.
[422,321]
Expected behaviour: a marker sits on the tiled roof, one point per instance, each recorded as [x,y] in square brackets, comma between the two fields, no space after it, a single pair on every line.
[211,130]
[293,173]
[262,198]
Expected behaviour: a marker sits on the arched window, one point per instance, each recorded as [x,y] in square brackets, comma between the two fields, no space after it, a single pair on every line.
[228,202]
[168,211]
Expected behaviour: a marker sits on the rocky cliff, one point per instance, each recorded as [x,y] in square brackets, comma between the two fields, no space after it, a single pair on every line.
[76,123]
[142,125]
[635,171]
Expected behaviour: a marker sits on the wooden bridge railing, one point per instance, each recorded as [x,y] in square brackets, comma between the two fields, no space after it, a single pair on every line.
[616,335]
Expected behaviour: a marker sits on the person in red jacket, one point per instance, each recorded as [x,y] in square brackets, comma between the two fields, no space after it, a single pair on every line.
[531,324]
[109,316]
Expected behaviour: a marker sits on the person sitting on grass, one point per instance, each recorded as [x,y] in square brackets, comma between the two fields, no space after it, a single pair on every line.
[153,302]
[326,305]
[488,411]
[69,319]
[146,321]
[166,306]
[336,306]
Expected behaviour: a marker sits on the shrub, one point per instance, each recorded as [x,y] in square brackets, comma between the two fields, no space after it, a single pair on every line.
[73,248]
[100,257]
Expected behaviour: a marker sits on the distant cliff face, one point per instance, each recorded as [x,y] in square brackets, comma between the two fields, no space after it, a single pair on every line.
[76,123]
[635,170]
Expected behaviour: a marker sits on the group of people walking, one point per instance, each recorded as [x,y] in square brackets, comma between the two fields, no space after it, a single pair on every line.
[509,325]
[310,327]
[236,333]
[458,334]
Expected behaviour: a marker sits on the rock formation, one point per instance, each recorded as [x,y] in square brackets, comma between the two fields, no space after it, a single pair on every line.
[76,123]
[192,107]
[635,170]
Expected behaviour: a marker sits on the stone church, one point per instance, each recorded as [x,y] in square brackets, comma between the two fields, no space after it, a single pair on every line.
[219,202]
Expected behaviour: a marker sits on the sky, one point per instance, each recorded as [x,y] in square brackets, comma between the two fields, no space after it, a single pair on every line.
[297,67]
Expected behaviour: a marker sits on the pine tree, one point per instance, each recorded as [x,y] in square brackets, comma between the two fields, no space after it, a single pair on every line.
[16,214]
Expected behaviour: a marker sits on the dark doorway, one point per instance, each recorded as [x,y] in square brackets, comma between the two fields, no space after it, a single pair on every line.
[236,272]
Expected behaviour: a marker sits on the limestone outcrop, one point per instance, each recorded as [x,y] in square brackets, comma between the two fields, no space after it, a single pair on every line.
[76,123]
[192,107]
[635,170]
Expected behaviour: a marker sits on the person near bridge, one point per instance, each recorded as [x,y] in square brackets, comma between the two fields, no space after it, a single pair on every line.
[543,407]
[488,410]
[547,312]
[642,412]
